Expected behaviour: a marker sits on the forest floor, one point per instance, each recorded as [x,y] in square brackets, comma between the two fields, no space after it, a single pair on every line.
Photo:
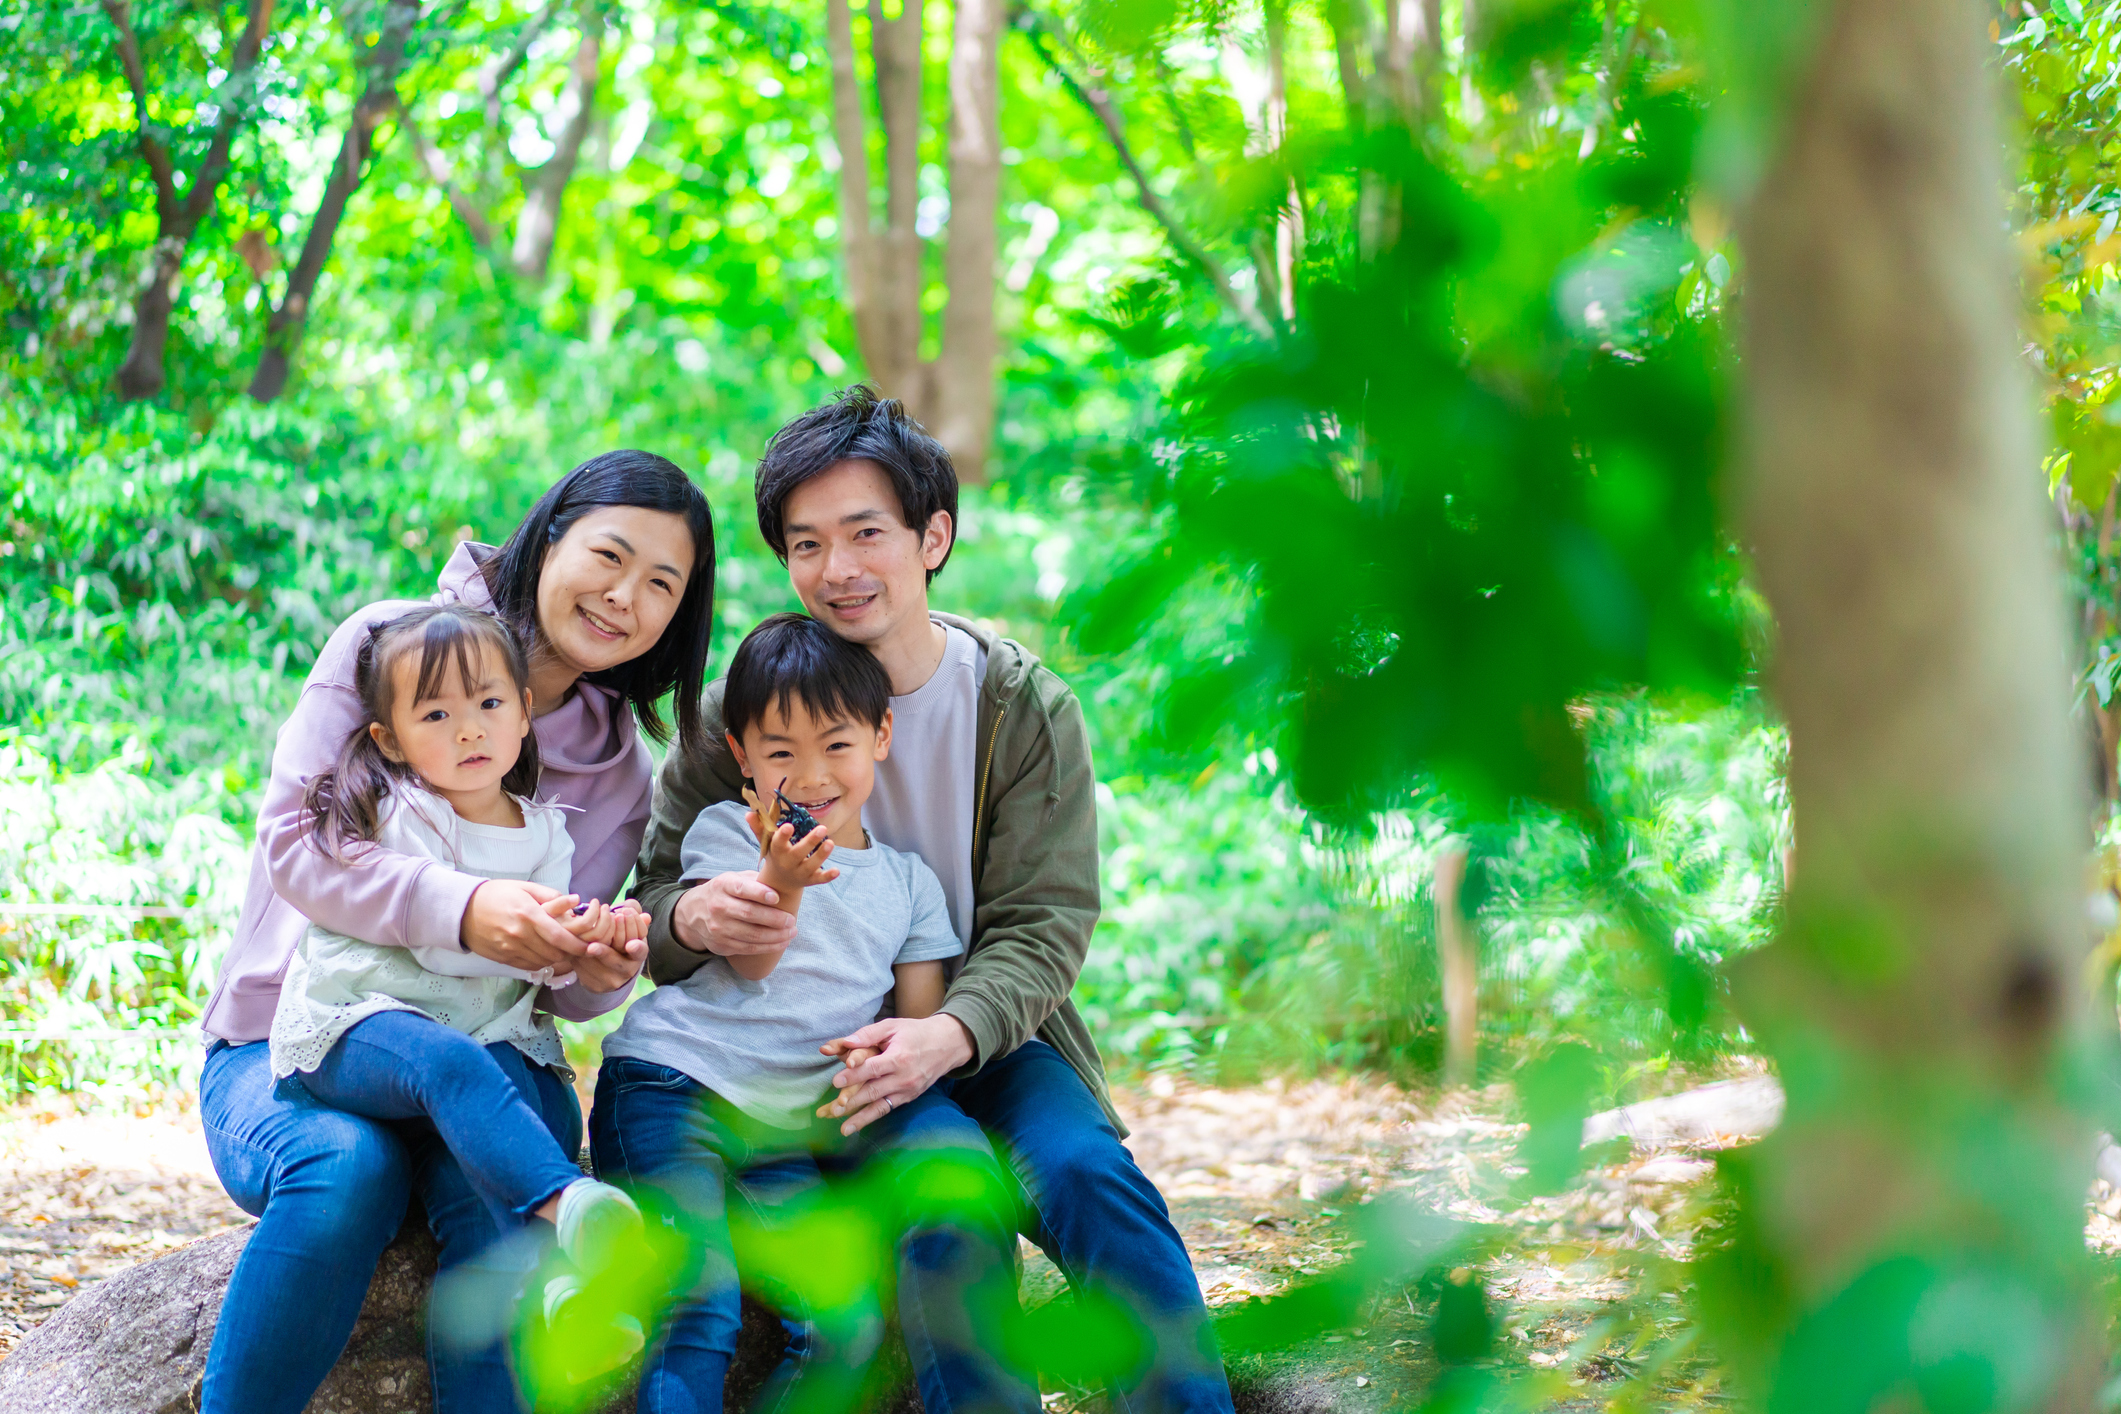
[1269,1184]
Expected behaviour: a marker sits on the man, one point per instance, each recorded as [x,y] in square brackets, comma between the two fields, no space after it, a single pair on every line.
[989,781]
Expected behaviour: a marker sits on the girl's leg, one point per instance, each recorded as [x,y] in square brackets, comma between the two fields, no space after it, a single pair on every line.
[329,1189]
[401,1065]
[650,1131]
[469,1373]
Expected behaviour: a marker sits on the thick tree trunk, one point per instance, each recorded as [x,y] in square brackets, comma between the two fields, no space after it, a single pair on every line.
[538,224]
[1410,58]
[895,51]
[177,218]
[858,242]
[961,384]
[1919,996]
[379,99]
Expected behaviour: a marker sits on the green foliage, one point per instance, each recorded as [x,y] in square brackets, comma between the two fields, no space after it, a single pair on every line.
[104,838]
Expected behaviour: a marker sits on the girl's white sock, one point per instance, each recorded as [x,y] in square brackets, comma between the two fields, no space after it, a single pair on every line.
[592,1219]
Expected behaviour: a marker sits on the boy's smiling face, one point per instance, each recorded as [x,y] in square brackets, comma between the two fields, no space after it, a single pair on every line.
[829,766]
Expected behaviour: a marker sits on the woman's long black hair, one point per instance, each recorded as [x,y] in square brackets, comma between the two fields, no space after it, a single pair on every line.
[678,661]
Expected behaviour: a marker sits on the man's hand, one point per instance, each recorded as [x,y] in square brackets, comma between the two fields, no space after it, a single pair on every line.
[519,924]
[731,915]
[908,1057]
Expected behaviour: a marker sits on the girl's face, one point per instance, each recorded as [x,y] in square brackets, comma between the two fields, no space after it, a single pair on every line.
[464,737]
[829,765]
[611,585]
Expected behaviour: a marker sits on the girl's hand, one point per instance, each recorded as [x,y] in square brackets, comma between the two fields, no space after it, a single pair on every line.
[518,924]
[591,922]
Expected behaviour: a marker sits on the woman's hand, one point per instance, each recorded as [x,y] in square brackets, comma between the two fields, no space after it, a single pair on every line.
[520,924]
[730,915]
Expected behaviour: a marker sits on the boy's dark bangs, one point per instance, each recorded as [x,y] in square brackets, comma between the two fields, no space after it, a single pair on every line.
[790,659]
[822,692]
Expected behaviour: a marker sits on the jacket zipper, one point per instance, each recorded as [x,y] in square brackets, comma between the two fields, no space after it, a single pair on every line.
[979,806]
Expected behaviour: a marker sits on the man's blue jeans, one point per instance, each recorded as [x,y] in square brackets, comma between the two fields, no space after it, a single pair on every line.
[330,1191]
[1100,1219]
[678,1147]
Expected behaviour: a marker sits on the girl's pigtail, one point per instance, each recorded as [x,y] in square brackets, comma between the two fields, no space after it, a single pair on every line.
[343,807]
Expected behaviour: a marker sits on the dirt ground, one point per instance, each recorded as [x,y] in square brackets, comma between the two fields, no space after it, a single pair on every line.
[1270,1186]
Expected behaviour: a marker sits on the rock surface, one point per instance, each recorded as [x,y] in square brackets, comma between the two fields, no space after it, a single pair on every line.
[137,1344]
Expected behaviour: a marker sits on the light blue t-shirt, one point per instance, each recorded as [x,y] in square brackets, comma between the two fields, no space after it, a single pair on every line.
[756,1043]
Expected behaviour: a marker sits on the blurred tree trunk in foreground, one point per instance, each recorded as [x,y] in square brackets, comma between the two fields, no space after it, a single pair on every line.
[954,392]
[1916,1223]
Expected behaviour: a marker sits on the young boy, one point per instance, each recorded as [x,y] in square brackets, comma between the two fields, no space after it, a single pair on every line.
[725,1075]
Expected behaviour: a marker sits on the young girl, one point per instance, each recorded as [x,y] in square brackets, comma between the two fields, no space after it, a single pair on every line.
[443,766]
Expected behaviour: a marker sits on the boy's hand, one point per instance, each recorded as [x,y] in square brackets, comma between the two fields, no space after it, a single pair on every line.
[796,864]
[784,862]
[847,1101]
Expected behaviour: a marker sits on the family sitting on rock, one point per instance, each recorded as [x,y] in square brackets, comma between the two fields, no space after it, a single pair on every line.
[864,881]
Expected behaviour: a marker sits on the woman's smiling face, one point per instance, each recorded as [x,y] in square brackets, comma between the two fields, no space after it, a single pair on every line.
[610,586]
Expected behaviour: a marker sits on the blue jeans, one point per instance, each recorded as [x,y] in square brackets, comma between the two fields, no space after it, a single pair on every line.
[400,1065]
[691,1158]
[330,1191]
[1100,1219]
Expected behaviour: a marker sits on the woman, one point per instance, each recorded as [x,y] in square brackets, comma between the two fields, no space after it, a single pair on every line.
[610,582]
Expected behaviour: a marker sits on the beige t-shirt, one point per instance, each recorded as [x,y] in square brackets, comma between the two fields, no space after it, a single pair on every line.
[924,796]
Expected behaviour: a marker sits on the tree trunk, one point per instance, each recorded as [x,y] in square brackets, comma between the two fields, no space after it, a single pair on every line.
[1287,249]
[1923,985]
[895,51]
[379,99]
[961,384]
[858,241]
[1350,20]
[1459,966]
[1410,58]
[177,219]
[538,224]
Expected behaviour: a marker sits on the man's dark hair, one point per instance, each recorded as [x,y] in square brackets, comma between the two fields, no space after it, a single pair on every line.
[793,658]
[858,425]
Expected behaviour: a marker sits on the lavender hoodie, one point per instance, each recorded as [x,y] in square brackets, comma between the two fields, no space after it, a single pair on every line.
[594,762]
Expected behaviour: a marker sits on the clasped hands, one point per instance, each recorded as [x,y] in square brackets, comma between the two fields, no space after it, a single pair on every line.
[530,926]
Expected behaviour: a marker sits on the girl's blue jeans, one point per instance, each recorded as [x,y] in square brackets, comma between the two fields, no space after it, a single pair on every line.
[330,1190]
[920,1195]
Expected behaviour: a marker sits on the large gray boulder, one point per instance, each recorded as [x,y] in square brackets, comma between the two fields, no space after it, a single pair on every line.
[137,1343]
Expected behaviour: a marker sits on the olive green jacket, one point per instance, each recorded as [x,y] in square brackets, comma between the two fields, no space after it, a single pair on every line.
[1034,861]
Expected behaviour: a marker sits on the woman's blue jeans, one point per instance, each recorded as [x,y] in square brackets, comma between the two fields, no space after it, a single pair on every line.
[330,1190]
[922,1186]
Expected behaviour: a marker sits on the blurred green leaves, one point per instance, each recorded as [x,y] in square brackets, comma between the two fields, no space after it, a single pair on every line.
[1452,534]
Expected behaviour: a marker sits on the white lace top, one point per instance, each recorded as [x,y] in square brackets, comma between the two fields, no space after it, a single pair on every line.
[334,981]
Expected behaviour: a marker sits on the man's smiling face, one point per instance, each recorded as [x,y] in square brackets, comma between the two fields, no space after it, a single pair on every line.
[857,566]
